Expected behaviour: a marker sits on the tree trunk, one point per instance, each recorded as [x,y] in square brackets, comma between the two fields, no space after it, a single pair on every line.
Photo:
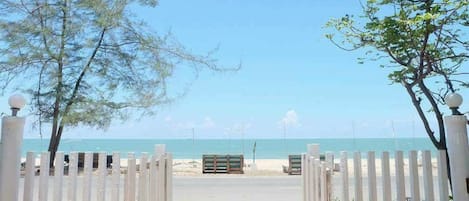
[54,145]
[448,169]
[441,143]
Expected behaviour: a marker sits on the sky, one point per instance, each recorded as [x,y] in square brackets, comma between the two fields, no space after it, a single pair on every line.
[293,83]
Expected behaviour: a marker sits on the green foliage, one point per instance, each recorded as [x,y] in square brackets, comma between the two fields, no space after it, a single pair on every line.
[420,41]
[87,62]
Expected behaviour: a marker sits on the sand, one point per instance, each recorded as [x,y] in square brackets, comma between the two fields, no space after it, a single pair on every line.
[262,167]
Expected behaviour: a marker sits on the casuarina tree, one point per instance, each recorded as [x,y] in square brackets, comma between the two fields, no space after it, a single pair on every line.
[88,62]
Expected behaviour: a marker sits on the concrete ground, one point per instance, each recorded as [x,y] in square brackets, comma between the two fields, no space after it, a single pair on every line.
[237,188]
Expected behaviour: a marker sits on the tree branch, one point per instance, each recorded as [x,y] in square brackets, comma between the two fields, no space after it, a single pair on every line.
[438,115]
[418,107]
[82,74]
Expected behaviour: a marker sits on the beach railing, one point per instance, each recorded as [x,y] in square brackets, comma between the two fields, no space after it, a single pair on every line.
[400,178]
[150,180]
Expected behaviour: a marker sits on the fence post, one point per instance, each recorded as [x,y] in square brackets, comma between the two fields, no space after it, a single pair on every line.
[160,150]
[10,150]
[344,171]
[458,148]
[305,176]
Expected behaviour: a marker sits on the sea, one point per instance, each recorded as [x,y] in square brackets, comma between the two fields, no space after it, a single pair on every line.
[250,148]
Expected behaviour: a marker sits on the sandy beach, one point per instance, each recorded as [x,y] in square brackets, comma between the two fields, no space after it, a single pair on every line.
[262,167]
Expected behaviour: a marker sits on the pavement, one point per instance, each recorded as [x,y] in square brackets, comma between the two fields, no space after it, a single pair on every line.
[237,188]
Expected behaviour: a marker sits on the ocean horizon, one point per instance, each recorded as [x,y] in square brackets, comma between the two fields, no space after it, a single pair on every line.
[264,148]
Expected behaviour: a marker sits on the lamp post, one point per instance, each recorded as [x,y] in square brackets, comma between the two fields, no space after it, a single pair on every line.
[458,148]
[10,150]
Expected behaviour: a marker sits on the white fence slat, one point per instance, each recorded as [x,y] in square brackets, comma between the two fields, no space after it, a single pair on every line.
[329,184]
[312,178]
[153,191]
[311,173]
[87,173]
[414,175]
[442,176]
[169,177]
[143,178]
[386,176]
[126,182]
[44,176]
[311,181]
[305,176]
[58,176]
[428,176]
[102,173]
[116,173]
[160,178]
[400,179]
[317,176]
[323,182]
[372,189]
[344,171]
[131,177]
[357,169]
[330,160]
[29,177]
[72,176]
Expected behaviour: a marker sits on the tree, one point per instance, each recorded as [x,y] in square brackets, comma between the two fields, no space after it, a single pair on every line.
[88,62]
[425,45]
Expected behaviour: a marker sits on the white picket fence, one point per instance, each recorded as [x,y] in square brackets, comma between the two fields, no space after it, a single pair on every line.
[322,183]
[150,180]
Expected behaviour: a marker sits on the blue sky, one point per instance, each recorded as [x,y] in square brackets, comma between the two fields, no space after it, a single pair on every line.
[293,81]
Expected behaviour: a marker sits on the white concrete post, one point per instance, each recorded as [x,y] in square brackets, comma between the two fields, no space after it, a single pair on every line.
[10,150]
[458,151]
[458,148]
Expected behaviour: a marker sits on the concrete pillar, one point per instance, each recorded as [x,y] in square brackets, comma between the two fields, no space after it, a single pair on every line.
[458,151]
[10,156]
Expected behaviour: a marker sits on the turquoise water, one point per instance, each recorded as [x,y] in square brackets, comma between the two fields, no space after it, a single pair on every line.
[265,148]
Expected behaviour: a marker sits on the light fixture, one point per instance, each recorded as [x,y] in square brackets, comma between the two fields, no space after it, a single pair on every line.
[453,101]
[16,102]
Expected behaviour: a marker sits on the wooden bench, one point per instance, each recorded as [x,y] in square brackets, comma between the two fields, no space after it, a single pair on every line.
[228,164]
[294,164]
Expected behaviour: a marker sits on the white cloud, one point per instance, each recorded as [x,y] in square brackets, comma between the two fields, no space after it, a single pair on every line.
[290,119]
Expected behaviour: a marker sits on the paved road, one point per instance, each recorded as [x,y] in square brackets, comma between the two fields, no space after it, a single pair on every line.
[236,188]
